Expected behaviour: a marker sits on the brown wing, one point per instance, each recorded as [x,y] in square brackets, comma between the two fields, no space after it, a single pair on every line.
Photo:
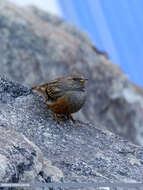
[54,90]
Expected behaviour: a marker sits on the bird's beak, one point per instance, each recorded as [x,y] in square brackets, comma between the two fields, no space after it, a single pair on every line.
[83,80]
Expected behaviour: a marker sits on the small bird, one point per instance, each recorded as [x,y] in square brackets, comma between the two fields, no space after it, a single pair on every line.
[65,95]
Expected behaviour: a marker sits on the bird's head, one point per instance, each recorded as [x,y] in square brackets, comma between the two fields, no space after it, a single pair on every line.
[74,81]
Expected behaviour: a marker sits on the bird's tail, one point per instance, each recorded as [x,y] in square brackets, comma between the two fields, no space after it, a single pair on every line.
[40,88]
[35,88]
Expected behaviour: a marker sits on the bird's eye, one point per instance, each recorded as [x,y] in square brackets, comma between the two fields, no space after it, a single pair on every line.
[75,79]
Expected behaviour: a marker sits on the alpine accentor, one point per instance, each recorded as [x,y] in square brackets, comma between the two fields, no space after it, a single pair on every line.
[65,95]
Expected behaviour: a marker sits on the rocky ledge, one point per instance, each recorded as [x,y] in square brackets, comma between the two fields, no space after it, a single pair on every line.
[33,148]
[37,47]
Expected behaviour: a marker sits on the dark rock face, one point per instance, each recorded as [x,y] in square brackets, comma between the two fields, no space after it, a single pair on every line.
[13,90]
[80,152]
[37,47]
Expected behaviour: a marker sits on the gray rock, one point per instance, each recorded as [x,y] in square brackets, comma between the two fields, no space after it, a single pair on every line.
[37,47]
[79,152]
[21,160]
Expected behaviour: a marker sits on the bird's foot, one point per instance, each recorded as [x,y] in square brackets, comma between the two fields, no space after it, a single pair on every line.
[71,117]
[59,118]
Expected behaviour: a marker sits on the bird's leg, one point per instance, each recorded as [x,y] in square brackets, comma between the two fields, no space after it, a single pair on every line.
[71,117]
[57,118]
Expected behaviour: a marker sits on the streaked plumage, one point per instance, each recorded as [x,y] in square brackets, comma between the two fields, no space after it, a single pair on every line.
[64,95]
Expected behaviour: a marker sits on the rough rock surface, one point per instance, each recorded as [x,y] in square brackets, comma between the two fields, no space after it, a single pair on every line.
[80,152]
[37,47]
[21,160]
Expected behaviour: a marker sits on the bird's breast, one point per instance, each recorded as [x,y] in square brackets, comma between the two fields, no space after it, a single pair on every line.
[71,102]
[76,99]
